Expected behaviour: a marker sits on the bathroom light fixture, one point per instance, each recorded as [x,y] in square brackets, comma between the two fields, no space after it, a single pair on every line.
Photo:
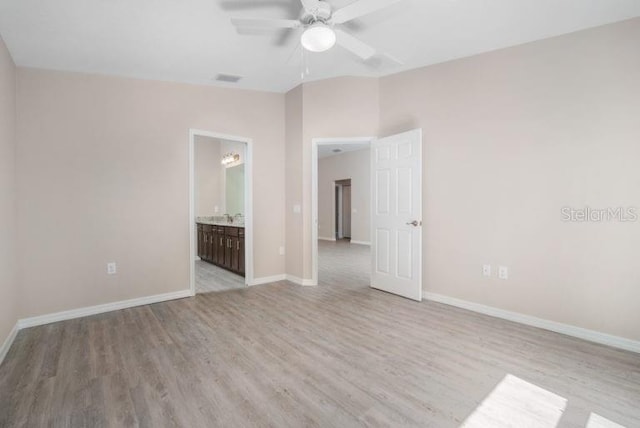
[318,37]
[230,158]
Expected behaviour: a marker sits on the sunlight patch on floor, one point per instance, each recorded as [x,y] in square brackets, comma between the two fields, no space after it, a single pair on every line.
[597,421]
[518,403]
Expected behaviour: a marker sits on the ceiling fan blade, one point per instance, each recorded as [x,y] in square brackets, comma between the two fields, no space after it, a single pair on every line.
[310,6]
[354,45]
[358,9]
[393,59]
[290,7]
[285,37]
[265,23]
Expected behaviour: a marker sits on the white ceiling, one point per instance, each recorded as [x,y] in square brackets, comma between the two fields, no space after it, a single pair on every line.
[193,40]
[326,150]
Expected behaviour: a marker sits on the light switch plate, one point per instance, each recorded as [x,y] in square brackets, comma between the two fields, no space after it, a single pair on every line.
[297,209]
[486,270]
[111,268]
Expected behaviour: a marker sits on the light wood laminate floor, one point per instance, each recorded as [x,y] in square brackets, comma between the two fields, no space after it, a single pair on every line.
[340,259]
[211,278]
[282,355]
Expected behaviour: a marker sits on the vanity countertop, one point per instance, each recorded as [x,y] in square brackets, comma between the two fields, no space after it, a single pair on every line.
[215,222]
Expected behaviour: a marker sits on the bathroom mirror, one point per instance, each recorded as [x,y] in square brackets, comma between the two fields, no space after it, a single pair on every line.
[234,190]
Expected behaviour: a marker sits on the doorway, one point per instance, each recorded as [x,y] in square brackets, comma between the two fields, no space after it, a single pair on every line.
[341,210]
[394,213]
[220,211]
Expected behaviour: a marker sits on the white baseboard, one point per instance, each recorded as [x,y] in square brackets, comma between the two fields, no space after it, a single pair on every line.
[268,279]
[322,238]
[361,242]
[99,309]
[300,281]
[569,330]
[4,349]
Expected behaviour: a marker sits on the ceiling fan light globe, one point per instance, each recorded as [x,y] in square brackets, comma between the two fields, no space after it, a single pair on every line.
[318,38]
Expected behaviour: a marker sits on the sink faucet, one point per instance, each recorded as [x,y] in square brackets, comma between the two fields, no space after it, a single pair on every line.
[228,218]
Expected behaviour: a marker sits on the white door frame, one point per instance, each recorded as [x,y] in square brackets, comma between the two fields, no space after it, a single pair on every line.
[315,142]
[248,204]
[337,208]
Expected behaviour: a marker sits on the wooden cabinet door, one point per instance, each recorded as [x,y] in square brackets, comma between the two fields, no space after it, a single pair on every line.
[213,244]
[227,252]
[231,254]
[200,235]
[235,253]
[221,246]
[241,269]
[207,229]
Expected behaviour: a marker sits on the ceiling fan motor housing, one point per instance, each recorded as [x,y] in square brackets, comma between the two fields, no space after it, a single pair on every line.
[321,13]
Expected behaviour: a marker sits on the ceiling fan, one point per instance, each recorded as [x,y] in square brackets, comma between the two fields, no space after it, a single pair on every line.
[319,21]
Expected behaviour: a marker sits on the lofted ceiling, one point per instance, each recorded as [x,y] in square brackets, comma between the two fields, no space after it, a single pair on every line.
[193,40]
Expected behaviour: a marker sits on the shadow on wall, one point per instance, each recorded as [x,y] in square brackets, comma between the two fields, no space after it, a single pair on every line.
[401,125]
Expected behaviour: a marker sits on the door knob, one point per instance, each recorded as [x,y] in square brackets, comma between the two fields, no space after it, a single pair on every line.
[414,223]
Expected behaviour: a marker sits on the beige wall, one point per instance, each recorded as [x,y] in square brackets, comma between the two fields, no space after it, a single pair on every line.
[512,136]
[103,176]
[209,178]
[356,166]
[293,190]
[8,275]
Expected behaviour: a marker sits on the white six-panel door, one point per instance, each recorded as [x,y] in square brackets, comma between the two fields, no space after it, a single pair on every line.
[396,235]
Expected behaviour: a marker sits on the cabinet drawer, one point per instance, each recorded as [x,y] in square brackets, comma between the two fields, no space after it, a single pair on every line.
[207,228]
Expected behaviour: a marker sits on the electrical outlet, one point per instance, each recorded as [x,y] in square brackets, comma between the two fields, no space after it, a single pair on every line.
[111,268]
[281,251]
[503,272]
[486,270]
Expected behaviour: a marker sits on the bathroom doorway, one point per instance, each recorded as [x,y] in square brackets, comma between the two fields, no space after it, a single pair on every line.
[220,215]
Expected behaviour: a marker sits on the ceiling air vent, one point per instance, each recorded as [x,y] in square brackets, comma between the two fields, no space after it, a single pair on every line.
[229,78]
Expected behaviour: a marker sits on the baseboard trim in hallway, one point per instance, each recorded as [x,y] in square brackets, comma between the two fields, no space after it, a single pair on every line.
[300,281]
[569,330]
[361,242]
[268,279]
